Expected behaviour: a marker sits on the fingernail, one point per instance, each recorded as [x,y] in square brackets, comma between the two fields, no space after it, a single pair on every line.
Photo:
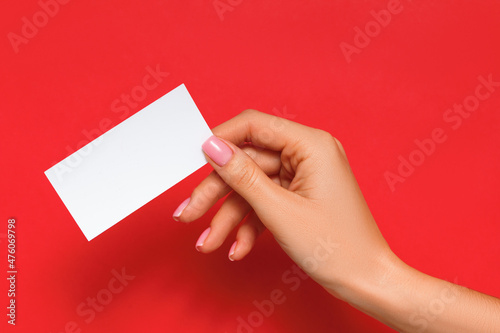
[231,251]
[180,209]
[202,238]
[217,150]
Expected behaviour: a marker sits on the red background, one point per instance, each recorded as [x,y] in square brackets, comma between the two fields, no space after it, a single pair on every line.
[274,56]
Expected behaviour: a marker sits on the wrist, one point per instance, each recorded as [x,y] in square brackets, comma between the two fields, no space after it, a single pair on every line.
[381,290]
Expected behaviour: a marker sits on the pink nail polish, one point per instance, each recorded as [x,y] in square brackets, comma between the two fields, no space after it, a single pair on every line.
[217,150]
[202,238]
[180,209]
[231,251]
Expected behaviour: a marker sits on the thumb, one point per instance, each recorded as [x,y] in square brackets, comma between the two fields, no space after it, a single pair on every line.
[244,176]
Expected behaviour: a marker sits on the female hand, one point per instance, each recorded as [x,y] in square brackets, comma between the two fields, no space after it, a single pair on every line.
[295,181]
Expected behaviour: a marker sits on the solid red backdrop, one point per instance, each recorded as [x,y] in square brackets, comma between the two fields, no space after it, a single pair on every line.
[377,82]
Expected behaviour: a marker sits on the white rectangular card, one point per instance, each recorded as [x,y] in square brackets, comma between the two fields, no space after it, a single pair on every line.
[132,163]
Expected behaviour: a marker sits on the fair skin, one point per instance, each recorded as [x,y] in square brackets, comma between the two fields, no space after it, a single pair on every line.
[296,182]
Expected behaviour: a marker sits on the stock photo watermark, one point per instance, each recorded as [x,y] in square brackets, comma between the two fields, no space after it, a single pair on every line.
[223,6]
[429,313]
[30,27]
[11,271]
[291,279]
[88,309]
[371,29]
[453,119]
[122,107]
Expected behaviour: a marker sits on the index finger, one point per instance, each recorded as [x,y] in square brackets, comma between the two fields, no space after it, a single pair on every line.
[262,130]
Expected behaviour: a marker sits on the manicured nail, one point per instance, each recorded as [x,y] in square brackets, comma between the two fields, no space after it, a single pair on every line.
[180,209]
[231,251]
[202,238]
[217,150]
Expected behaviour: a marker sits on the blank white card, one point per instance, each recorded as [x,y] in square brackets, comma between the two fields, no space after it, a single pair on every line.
[132,163]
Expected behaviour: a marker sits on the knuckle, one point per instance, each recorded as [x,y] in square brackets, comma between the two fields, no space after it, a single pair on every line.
[249,113]
[338,144]
[245,177]
[324,135]
[331,141]
[199,192]
[205,194]
[340,147]
[251,151]
[199,199]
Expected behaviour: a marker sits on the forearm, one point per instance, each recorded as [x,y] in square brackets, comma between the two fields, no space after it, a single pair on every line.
[410,301]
